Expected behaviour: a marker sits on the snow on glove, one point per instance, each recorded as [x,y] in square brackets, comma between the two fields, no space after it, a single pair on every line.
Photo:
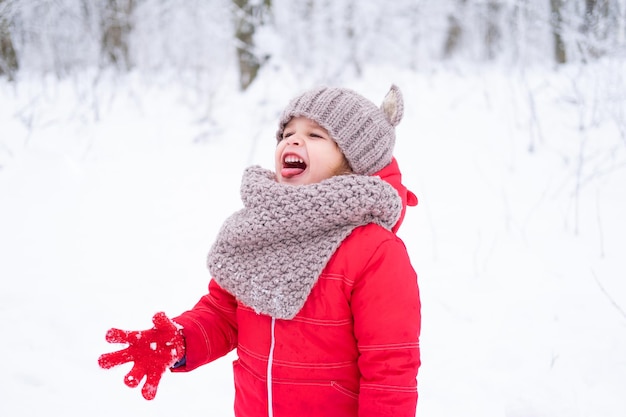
[153,351]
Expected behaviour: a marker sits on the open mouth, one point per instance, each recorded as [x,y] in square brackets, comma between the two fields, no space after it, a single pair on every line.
[292,165]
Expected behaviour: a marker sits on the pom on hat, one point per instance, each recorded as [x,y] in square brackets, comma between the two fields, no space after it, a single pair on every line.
[364,132]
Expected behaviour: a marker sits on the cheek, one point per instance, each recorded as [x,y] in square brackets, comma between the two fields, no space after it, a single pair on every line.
[339,161]
[278,152]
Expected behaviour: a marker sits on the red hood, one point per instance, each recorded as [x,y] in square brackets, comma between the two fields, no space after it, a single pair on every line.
[391,173]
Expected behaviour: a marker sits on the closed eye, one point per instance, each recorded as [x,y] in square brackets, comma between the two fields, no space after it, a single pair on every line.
[312,135]
[318,136]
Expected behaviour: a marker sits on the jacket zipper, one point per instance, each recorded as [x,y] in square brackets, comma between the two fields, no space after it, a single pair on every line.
[270,360]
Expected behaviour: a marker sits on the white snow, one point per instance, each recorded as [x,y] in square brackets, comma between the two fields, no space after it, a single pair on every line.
[111,193]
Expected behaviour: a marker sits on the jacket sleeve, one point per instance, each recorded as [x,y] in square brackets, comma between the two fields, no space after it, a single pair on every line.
[210,328]
[387,321]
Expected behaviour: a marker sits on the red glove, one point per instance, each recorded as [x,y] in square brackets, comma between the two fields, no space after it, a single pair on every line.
[152,351]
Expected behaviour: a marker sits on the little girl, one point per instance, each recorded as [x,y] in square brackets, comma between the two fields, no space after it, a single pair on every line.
[310,283]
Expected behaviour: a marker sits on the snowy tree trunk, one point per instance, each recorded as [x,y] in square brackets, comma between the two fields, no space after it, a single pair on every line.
[454,33]
[352,38]
[493,33]
[249,15]
[556,8]
[595,28]
[414,18]
[117,25]
[8,58]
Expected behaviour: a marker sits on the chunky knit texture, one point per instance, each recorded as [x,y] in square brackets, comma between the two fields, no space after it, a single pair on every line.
[364,132]
[271,253]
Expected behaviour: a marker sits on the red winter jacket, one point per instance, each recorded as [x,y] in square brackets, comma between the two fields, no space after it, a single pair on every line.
[353,349]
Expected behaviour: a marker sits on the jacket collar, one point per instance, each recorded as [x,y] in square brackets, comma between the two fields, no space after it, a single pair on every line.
[391,173]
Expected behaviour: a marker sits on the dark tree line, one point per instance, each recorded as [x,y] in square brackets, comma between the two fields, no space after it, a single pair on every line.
[333,36]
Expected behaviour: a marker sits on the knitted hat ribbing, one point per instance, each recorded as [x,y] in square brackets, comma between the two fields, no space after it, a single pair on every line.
[364,132]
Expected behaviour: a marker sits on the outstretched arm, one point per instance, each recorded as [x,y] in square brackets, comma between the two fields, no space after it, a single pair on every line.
[198,336]
[210,328]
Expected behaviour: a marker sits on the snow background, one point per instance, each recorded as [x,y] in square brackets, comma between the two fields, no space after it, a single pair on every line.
[113,187]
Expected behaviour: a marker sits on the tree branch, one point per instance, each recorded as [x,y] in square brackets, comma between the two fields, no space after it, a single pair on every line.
[611,300]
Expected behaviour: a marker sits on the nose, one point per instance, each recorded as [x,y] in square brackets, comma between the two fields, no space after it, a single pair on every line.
[294,140]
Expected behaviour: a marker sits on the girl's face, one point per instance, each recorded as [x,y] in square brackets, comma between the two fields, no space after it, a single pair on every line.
[307,154]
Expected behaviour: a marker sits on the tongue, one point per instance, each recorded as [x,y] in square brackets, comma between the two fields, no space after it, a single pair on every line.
[291,172]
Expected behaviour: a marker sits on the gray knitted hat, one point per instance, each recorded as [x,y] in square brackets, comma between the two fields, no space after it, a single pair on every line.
[364,132]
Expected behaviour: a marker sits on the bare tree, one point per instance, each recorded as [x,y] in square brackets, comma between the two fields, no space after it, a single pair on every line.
[249,15]
[493,33]
[350,30]
[414,15]
[595,28]
[556,9]
[116,25]
[8,58]
[455,31]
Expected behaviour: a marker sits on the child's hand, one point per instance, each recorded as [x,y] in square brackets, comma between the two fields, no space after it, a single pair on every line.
[153,351]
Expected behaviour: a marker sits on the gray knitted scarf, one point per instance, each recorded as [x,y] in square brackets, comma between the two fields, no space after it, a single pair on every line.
[270,253]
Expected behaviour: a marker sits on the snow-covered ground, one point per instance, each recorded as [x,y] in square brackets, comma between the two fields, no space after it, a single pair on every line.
[112,190]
